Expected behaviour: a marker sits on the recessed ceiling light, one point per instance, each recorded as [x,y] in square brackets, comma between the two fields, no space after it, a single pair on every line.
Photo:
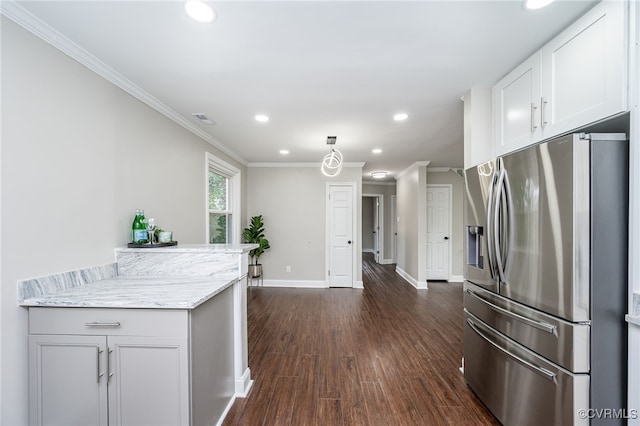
[378,175]
[376,151]
[200,11]
[284,151]
[262,118]
[536,4]
[400,117]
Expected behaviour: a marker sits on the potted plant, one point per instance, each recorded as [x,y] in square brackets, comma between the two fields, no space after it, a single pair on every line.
[254,234]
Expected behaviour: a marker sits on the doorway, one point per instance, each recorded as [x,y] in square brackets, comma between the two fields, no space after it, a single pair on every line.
[438,232]
[394,230]
[373,225]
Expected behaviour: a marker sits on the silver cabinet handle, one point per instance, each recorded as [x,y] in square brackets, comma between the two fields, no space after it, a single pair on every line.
[109,372]
[533,119]
[98,373]
[541,371]
[549,328]
[102,324]
[543,103]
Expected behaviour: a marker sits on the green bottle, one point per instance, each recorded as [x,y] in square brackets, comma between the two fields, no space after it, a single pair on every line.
[139,228]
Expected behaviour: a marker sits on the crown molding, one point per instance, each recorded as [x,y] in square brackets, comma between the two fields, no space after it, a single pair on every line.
[301,165]
[282,165]
[377,182]
[456,171]
[412,167]
[443,169]
[42,30]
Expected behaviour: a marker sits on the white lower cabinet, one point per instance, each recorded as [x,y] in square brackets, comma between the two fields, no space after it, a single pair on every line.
[68,384]
[149,381]
[108,380]
[96,366]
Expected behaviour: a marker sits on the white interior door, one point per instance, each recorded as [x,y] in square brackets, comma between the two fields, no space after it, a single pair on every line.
[341,239]
[438,232]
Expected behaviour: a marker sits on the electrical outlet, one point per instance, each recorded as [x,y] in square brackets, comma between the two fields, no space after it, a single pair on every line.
[288,268]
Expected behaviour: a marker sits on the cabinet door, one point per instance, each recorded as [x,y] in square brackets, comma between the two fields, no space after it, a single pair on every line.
[67,380]
[478,143]
[584,71]
[515,99]
[148,381]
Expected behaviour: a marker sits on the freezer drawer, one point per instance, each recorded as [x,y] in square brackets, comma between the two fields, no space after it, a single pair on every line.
[518,386]
[561,342]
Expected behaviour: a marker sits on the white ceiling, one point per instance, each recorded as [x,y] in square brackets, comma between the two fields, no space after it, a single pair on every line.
[316,68]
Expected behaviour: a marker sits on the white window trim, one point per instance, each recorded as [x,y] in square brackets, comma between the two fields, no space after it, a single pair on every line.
[234,174]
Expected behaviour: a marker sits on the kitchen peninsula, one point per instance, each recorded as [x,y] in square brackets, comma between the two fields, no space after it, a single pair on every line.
[158,337]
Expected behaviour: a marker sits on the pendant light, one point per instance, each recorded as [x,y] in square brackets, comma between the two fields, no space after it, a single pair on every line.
[332,162]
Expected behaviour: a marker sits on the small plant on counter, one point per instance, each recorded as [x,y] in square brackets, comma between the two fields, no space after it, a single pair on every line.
[254,234]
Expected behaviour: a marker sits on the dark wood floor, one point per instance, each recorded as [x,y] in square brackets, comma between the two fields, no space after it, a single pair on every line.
[385,355]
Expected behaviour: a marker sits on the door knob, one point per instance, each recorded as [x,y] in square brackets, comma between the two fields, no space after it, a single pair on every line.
[349,241]
[446,238]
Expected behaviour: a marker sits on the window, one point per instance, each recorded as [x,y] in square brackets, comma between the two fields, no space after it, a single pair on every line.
[220,216]
[223,207]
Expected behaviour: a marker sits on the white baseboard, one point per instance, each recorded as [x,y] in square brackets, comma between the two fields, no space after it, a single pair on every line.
[226,411]
[302,284]
[368,251]
[243,384]
[408,278]
[295,283]
[456,279]
[387,262]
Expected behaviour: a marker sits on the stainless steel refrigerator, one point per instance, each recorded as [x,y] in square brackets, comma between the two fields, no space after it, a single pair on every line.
[545,289]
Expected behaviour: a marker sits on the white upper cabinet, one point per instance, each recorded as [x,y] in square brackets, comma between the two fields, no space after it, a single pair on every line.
[478,145]
[584,73]
[577,78]
[515,106]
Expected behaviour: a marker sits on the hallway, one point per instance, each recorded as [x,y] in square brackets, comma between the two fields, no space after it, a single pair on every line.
[385,355]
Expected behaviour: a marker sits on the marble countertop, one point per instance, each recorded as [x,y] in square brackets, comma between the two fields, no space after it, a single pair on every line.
[634,316]
[193,248]
[138,292]
[633,319]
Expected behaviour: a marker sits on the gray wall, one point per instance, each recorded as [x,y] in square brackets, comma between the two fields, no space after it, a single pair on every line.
[292,201]
[457,198]
[411,188]
[79,155]
[387,190]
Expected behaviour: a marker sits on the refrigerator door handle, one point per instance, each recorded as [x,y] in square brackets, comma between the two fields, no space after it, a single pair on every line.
[541,371]
[551,329]
[496,226]
[490,244]
[506,221]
